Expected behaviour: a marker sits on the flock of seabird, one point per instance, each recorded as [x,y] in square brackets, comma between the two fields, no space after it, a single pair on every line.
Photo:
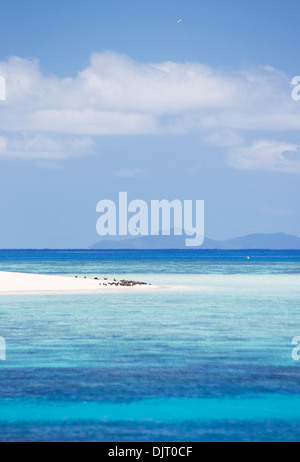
[125,283]
[122,283]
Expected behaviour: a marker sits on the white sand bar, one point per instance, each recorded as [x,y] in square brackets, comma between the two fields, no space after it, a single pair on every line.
[23,283]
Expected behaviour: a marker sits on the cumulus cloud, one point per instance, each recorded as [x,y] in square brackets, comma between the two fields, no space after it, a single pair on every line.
[267,155]
[115,95]
[41,146]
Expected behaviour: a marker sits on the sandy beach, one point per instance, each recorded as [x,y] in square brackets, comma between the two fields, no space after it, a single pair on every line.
[24,283]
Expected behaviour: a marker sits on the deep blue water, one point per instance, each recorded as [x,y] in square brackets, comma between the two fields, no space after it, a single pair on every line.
[211,363]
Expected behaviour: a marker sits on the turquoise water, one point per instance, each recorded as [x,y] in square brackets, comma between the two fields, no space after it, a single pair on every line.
[211,362]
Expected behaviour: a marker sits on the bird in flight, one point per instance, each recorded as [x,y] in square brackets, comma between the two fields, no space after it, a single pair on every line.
[179,21]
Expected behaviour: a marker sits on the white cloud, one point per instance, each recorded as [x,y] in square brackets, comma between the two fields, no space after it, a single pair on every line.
[92,122]
[267,155]
[3,145]
[130,173]
[115,95]
[224,138]
[41,146]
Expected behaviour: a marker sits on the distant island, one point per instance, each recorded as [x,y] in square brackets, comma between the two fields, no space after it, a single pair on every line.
[276,241]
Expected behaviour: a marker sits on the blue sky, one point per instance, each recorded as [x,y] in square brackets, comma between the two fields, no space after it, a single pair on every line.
[115,96]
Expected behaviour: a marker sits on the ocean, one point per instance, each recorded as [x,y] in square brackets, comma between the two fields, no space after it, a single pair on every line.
[211,361]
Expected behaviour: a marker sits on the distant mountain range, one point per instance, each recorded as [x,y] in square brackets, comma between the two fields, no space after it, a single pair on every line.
[276,241]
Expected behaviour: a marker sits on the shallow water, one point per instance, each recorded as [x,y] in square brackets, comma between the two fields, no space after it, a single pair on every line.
[212,363]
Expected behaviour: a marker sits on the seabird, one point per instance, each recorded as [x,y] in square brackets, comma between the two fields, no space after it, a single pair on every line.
[179,21]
